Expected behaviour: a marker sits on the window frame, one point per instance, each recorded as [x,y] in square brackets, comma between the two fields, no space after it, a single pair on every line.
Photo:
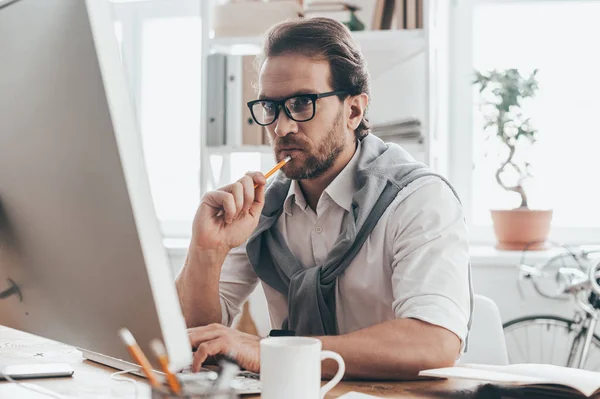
[461,129]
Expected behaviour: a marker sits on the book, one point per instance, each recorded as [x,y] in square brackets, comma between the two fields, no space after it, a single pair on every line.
[383,14]
[553,380]
[410,14]
[399,12]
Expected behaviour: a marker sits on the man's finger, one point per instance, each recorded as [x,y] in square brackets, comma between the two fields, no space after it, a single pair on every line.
[248,185]
[199,335]
[259,192]
[257,178]
[222,200]
[206,349]
[237,190]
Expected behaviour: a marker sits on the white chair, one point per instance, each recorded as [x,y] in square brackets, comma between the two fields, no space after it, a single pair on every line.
[486,344]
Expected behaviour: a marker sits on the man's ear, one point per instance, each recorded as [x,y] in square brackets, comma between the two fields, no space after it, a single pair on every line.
[358,106]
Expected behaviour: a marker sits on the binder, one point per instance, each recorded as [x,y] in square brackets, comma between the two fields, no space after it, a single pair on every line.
[241,81]
[215,134]
[252,133]
[233,99]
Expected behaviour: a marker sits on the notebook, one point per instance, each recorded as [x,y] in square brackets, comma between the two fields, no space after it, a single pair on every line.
[556,379]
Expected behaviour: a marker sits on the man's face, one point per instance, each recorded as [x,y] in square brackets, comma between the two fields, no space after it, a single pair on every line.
[313,145]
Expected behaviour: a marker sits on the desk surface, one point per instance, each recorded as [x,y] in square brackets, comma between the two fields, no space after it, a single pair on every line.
[92,381]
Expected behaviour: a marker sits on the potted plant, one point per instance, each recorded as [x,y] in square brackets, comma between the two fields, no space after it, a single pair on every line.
[502,94]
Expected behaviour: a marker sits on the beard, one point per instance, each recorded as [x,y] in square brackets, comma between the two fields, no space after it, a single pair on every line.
[314,161]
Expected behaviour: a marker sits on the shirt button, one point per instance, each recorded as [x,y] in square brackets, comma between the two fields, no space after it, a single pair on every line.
[319,229]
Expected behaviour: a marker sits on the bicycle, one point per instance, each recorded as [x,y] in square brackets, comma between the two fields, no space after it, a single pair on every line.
[576,337]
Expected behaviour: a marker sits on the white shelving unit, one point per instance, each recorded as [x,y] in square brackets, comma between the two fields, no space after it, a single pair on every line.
[420,90]
[382,40]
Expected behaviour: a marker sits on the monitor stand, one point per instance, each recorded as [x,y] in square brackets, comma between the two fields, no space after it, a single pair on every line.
[114,362]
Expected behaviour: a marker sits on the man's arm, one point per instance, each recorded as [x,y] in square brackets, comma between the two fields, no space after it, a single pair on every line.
[396,349]
[430,280]
[224,221]
[198,287]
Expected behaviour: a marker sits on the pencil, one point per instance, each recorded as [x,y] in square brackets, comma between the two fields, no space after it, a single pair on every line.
[138,356]
[276,168]
[161,353]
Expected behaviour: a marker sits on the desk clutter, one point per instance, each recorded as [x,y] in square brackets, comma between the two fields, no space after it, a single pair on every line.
[226,384]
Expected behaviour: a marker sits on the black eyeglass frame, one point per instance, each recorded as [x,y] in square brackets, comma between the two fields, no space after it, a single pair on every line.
[280,104]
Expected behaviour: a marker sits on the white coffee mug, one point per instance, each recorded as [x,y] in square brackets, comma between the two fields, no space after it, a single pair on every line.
[290,368]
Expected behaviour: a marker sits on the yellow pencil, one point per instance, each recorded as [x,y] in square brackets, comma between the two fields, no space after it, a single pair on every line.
[276,168]
[138,356]
[161,353]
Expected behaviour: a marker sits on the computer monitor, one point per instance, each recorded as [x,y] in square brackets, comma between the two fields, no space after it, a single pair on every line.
[81,253]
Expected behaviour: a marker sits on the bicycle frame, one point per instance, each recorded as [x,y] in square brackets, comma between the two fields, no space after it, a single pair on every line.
[578,358]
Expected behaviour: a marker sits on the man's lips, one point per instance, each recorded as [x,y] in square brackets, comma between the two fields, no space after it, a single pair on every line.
[290,151]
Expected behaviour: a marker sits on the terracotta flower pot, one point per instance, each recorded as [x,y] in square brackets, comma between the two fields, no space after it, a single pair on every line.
[521,228]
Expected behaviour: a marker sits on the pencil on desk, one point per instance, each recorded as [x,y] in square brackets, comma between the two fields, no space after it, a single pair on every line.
[138,356]
[161,353]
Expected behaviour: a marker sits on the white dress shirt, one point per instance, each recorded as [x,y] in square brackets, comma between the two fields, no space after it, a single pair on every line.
[414,264]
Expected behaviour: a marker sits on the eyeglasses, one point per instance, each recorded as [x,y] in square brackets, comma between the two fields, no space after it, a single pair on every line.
[299,108]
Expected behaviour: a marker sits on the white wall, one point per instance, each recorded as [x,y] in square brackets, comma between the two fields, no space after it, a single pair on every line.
[499,283]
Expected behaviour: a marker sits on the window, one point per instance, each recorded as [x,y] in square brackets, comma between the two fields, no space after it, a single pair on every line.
[161,48]
[559,38]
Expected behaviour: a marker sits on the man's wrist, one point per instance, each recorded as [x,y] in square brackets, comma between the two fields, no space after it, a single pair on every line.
[207,256]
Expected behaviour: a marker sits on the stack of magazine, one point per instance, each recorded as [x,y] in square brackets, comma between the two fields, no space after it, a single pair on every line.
[402,131]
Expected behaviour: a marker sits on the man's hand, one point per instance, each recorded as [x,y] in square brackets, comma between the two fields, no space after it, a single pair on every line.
[216,339]
[228,216]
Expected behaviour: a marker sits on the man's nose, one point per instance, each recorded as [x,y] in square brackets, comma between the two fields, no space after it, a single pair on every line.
[284,125]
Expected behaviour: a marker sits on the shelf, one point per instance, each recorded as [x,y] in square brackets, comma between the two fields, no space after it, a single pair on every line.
[369,41]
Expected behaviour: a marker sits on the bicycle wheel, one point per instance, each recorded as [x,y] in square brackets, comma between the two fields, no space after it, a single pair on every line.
[548,339]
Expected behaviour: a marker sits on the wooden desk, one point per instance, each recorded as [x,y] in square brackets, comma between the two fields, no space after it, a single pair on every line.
[92,380]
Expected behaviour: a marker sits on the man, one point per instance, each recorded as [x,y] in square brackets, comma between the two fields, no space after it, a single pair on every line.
[357,244]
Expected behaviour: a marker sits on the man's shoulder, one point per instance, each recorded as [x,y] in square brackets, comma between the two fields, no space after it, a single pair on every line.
[426,193]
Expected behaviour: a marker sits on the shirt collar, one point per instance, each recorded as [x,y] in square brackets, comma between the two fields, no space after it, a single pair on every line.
[296,196]
[340,190]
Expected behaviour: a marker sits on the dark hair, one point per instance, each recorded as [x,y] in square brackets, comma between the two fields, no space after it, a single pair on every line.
[329,40]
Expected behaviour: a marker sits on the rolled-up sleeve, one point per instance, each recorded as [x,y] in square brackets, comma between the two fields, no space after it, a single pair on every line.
[430,278]
[237,282]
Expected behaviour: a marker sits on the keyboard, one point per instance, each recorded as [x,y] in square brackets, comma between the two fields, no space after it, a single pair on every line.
[246,383]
